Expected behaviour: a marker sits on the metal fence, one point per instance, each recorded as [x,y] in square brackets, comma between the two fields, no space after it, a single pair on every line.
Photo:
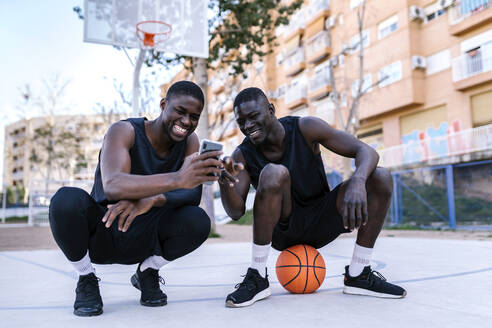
[453,196]
[40,193]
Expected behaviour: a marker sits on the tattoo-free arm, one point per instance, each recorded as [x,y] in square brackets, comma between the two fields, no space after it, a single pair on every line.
[317,131]
[234,198]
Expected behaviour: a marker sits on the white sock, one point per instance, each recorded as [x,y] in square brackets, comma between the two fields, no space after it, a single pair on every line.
[259,258]
[154,262]
[84,266]
[360,259]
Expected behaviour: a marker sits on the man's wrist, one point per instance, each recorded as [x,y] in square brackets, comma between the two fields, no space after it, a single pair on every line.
[175,181]
[159,200]
[359,178]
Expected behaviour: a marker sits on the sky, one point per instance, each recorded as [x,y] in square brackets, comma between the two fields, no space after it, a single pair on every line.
[40,39]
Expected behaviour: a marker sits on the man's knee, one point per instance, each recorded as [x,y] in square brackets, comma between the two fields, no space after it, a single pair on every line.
[381,182]
[199,224]
[273,178]
[66,202]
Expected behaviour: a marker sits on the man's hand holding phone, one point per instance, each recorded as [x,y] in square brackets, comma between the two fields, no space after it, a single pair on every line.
[230,171]
[208,146]
[200,168]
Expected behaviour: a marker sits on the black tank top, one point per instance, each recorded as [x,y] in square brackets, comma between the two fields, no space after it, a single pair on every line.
[307,173]
[144,159]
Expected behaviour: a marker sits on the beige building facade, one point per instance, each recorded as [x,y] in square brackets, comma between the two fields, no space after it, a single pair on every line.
[19,170]
[427,68]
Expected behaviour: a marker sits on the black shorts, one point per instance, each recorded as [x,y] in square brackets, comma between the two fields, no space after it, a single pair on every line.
[316,225]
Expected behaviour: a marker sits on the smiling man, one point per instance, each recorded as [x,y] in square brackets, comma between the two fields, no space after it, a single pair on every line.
[143,207]
[293,202]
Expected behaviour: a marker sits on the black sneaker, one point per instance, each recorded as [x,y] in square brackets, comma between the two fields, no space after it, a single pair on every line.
[148,283]
[88,300]
[371,283]
[253,288]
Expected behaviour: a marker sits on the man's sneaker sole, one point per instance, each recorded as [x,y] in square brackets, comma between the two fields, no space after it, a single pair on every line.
[87,314]
[136,284]
[261,295]
[366,292]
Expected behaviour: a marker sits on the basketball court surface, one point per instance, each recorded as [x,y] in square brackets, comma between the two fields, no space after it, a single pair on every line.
[448,284]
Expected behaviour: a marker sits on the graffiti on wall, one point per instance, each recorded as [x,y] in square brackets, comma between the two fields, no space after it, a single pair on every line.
[432,142]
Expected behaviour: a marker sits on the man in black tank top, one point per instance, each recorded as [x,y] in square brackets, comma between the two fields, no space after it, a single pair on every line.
[143,207]
[293,203]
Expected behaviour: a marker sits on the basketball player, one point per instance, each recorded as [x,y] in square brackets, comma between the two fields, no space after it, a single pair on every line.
[143,207]
[293,203]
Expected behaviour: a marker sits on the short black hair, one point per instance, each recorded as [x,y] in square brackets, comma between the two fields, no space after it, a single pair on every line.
[249,94]
[186,88]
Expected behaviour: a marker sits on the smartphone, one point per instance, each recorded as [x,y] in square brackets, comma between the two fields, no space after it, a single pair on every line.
[208,145]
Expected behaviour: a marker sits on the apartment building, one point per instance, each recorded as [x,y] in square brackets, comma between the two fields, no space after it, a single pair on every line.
[427,69]
[19,142]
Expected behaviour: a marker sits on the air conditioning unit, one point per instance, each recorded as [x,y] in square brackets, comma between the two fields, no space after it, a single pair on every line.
[272,94]
[417,13]
[418,62]
[330,23]
[444,4]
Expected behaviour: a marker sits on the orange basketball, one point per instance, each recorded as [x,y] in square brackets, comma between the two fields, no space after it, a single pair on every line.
[300,269]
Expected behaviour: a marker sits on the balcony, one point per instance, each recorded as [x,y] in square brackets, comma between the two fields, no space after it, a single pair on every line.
[316,10]
[19,175]
[295,63]
[466,15]
[296,26]
[319,85]
[296,95]
[318,47]
[472,69]
[460,143]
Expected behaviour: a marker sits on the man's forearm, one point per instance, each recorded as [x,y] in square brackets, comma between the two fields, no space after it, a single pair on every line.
[233,203]
[131,186]
[182,197]
[366,162]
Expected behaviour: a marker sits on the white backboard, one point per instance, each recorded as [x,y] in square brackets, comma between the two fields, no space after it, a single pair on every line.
[114,22]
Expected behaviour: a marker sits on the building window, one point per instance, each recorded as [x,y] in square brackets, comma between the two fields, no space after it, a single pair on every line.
[343,99]
[366,85]
[472,6]
[387,26]
[438,62]
[433,11]
[390,74]
[355,3]
[355,41]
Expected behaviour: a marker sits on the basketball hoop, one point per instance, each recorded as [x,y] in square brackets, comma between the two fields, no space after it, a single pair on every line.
[153,32]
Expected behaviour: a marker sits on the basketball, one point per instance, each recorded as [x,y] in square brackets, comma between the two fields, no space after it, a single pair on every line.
[300,269]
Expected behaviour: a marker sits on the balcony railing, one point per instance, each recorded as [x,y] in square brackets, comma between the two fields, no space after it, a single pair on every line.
[297,22]
[318,47]
[296,94]
[466,8]
[295,62]
[316,7]
[453,144]
[469,65]
[320,79]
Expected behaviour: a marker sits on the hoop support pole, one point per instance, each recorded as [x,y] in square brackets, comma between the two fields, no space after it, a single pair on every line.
[136,82]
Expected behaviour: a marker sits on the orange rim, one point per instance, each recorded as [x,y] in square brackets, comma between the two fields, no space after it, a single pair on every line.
[148,37]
